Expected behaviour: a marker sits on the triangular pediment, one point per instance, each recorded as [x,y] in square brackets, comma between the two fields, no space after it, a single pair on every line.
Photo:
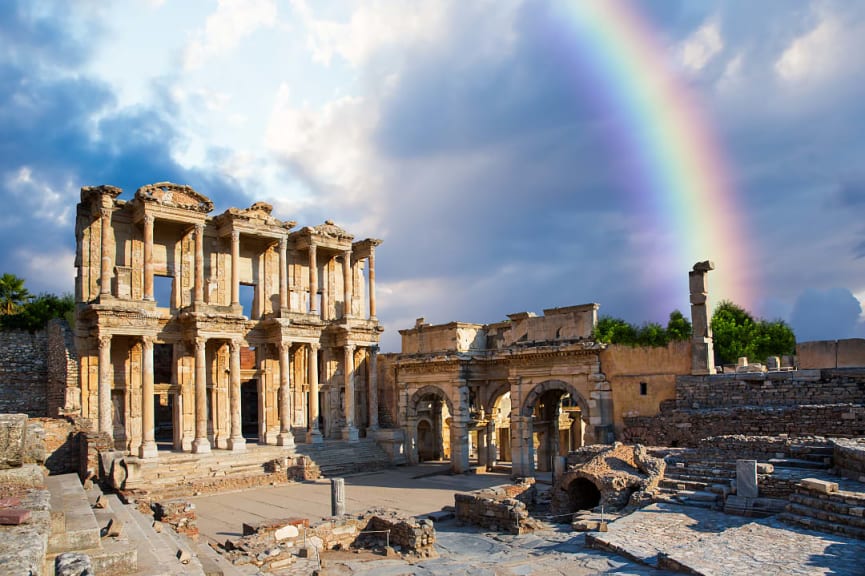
[175,196]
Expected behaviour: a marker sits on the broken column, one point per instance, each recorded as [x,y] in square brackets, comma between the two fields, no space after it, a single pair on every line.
[702,353]
[337,496]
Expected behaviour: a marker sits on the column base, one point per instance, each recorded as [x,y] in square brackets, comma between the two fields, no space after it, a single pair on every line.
[285,439]
[349,433]
[186,444]
[200,446]
[314,436]
[148,450]
[237,444]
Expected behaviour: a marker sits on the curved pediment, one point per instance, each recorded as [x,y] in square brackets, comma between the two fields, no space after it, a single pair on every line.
[260,213]
[331,230]
[175,196]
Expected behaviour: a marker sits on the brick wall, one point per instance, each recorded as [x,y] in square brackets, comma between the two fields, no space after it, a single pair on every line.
[804,402]
[23,372]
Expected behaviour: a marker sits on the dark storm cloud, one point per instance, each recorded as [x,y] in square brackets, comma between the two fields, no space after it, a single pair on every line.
[60,130]
[825,315]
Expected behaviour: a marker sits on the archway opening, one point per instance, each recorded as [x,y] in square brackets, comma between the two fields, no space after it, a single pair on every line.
[249,409]
[583,494]
[433,429]
[556,427]
[425,441]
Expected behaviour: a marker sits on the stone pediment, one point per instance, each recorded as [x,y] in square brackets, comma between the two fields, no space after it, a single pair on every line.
[174,196]
[258,213]
[331,230]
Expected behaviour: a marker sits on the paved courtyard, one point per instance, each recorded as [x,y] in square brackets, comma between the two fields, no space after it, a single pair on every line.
[706,542]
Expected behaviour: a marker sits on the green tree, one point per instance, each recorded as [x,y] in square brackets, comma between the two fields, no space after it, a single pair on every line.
[737,333]
[35,314]
[13,294]
[678,327]
[614,331]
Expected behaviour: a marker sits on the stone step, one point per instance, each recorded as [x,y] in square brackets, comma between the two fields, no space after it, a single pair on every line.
[821,525]
[816,508]
[158,552]
[799,463]
[113,556]
[74,526]
[674,485]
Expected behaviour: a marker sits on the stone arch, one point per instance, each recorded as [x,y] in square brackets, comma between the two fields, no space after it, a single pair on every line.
[442,429]
[429,390]
[540,389]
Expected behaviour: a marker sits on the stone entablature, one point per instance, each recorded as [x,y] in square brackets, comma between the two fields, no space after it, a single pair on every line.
[174,363]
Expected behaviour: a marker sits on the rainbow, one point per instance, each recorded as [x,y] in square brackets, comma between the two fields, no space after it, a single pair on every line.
[683,177]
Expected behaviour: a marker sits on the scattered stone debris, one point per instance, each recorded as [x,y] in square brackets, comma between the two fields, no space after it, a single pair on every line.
[502,508]
[179,514]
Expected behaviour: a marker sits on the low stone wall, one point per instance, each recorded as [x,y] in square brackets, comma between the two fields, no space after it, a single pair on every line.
[23,372]
[500,508]
[687,427]
[849,458]
[831,353]
[63,391]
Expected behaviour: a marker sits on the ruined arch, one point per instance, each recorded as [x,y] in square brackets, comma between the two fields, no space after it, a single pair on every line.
[430,411]
[540,389]
[429,390]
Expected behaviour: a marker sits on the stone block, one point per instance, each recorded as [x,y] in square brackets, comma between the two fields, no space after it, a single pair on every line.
[14,516]
[13,435]
[817,485]
[746,478]
[286,532]
[73,564]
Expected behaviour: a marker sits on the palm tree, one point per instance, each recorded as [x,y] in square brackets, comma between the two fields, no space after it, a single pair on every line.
[12,293]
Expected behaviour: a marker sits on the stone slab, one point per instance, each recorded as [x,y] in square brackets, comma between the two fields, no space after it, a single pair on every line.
[746,478]
[13,434]
[13,516]
[817,485]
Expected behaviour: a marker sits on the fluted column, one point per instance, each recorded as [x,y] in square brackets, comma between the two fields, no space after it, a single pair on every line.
[199,263]
[283,274]
[105,251]
[347,284]
[349,432]
[235,268]
[106,426]
[372,282]
[313,280]
[312,373]
[201,444]
[285,437]
[148,256]
[373,387]
[236,441]
[148,447]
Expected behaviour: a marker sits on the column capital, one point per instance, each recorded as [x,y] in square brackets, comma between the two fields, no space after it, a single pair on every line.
[148,341]
[286,345]
[350,347]
[235,235]
[199,228]
[104,341]
[149,219]
[234,344]
[200,342]
[315,345]
[283,243]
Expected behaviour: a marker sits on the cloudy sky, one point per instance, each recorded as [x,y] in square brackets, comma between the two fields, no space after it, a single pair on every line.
[474,138]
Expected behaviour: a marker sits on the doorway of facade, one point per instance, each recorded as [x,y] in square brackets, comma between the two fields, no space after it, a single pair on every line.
[249,409]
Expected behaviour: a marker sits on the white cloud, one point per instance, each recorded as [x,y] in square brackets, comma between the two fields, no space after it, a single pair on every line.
[48,271]
[44,202]
[233,21]
[696,51]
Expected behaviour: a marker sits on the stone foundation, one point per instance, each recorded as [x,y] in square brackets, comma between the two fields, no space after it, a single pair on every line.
[500,508]
[849,458]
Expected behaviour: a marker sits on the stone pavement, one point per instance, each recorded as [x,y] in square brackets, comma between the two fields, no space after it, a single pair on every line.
[702,541]
[711,543]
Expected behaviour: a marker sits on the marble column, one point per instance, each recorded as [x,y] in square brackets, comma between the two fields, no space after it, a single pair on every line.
[106,426]
[492,450]
[199,263]
[372,282]
[236,442]
[148,447]
[372,393]
[201,445]
[346,282]
[283,274]
[349,432]
[285,437]
[314,435]
[148,256]
[313,280]
[235,268]
[105,250]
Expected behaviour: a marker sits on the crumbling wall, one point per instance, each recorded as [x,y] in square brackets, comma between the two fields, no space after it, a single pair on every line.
[500,508]
[63,392]
[23,372]
[849,458]
[804,402]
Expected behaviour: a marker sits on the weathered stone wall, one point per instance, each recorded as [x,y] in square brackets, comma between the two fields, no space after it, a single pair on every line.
[63,393]
[803,402]
[849,458]
[23,372]
[500,508]
[848,353]
[62,444]
[832,386]
[628,367]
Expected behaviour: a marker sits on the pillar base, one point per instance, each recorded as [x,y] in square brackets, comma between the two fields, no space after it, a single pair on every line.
[285,439]
[314,436]
[148,450]
[237,444]
[349,433]
[201,446]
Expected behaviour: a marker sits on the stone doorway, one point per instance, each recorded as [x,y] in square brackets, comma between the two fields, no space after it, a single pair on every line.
[163,419]
[426,442]
[249,409]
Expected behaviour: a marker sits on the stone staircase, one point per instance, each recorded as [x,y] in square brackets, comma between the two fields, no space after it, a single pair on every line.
[339,458]
[131,547]
[694,481]
[824,506]
[179,474]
